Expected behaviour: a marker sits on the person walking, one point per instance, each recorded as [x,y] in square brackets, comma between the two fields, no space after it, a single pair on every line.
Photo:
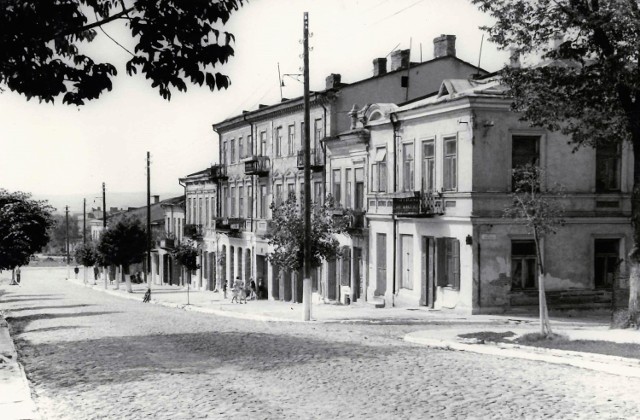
[18,275]
[224,289]
[96,272]
[76,270]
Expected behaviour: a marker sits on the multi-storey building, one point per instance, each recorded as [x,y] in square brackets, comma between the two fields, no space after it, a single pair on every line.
[261,163]
[439,174]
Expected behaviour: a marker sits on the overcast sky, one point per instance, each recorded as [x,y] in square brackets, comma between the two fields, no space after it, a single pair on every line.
[59,149]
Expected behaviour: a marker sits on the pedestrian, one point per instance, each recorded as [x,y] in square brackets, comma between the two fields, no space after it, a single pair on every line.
[147,296]
[18,275]
[76,270]
[224,289]
[252,286]
[96,272]
[261,292]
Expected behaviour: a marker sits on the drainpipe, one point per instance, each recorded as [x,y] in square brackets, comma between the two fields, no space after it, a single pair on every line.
[396,124]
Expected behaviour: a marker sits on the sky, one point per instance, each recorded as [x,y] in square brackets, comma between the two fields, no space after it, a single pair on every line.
[53,150]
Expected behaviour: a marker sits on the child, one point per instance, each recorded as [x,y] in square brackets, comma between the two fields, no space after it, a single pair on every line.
[224,289]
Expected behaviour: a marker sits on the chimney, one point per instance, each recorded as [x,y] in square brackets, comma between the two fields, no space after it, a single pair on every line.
[444,45]
[379,66]
[333,81]
[399,59]
[156,199]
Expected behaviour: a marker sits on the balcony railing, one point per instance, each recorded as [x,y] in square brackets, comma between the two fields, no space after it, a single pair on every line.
[257,165]
[316,159]
[420,205]
[193,231]
[227,224]
[167,243]
[219,172]
[352,221]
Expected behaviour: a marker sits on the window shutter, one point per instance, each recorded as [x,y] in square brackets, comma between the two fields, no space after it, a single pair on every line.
[456,264]
[441,262]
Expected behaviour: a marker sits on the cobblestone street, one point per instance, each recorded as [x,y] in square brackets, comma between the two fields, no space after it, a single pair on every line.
[90,355]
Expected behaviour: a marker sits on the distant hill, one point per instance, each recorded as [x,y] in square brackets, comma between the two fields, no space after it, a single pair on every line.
[121,200]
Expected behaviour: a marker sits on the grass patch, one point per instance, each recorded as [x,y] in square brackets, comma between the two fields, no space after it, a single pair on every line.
[559,342]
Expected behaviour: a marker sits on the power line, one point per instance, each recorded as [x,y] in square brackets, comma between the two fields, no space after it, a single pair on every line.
[396,13]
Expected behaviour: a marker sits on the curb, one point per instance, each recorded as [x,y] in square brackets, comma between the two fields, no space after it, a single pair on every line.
[615,365]
[192,308]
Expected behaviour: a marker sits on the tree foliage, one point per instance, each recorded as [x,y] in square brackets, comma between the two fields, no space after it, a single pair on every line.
[287,234]
[24,228]
[123,243]
[86,254]
[58,233]
[589,88]
[186,254]
[43,52]
[541,212]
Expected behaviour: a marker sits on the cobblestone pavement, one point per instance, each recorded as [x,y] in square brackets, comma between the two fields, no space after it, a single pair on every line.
[89,355]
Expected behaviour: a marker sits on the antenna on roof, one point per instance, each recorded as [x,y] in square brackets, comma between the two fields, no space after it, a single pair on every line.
[480,55]
[280,81]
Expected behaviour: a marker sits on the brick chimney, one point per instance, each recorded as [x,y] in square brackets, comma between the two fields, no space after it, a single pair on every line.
[379,66]
[333,81]
[156,199]
[444,45]
[399,59]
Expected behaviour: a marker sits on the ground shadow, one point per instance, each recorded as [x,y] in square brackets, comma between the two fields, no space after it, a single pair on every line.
[130,359]
[37,308]
[47,329]
[27,300]
[18,323]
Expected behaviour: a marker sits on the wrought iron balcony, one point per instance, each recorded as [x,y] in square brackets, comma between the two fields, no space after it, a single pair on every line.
[219,172]
[192,231]
[257,165]
[420,205]
[316,159]
[228,224]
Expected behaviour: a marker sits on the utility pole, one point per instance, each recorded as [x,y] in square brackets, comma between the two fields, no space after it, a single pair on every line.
[66,216]
[104,208]
[306,282]
[148,257]
[84,221]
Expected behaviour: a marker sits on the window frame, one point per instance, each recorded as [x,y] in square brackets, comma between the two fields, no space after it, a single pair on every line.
[424,168]
[449,163]
[408,166]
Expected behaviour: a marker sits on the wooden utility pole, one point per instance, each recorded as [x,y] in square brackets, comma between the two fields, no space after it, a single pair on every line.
[104,208]
[306,282]
[66,216]
[84,221]
[148,257]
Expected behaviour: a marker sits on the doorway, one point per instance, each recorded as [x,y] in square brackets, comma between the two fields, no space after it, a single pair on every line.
[428,286]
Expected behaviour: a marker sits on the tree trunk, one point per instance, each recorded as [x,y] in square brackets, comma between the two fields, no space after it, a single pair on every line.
[545,325]
[127,279]
[13,276]
[105,274]
[118,274]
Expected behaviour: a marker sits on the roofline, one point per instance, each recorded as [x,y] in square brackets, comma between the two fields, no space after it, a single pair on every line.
[269,109]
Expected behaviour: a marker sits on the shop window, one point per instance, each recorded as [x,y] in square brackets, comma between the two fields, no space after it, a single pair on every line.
[606,262]
[448,266]
[523,265]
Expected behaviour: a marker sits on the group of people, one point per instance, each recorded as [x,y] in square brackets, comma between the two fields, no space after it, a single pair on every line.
[240,293]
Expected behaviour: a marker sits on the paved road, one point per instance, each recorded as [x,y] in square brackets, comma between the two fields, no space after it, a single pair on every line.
[89,355]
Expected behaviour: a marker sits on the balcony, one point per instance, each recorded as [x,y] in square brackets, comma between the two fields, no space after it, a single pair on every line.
[316,159]
[219,172]
[348,220]
[166,243]
[230,225]
[257,165]
[194,232]
[356,220]
[420,205]
[264,227]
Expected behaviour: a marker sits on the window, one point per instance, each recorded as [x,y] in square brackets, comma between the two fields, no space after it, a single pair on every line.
[263,143]
[249,145]
[347,200]
[240,201]
[606,262]
[201,219]
[233,151]
[359,193]
[317,192]
[233,202]
[225,202]
[450,167]
[278,194]
[291,189]
[608,167]
[337,193]
[407,167]
[240,148]
[428,165]
[224,156]
[525,150]
[523,265]
[292,139]
[206,211]
[250,201]
[317,132]
[263,202]
[448,264]
[279,141]
[379,170]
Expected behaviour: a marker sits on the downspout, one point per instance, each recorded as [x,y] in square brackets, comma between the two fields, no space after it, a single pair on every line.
[218,183]
[393,117]
[324,148]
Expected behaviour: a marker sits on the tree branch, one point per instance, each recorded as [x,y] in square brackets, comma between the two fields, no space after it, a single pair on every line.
[92,25]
